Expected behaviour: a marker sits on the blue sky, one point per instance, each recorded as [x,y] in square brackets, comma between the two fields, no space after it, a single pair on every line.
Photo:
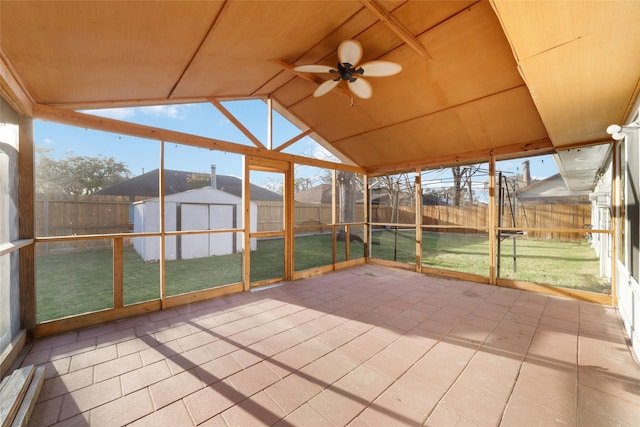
[200,119]
[205,120]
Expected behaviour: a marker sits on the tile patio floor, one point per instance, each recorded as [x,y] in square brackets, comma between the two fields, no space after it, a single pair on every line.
[366,346]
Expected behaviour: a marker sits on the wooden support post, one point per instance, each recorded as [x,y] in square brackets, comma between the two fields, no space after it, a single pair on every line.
[269,123]
[26,201]
[289,235]
[615,223]
[246,224]
[163,237]
[418,220]
[118,276]
[492,222]
[334,220]
[366,216]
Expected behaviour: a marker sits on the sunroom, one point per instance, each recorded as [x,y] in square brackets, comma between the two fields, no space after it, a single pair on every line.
[217,204]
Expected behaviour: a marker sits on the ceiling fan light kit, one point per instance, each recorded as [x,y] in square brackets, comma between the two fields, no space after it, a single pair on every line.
[349,54]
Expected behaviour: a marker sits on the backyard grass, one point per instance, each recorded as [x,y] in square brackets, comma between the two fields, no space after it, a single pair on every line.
[569,264]
[78,282]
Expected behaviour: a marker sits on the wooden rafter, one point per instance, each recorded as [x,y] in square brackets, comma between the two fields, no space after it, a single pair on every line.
[269,123]
[197,51]
[293,140]
[237,123]
[12,89]
[396,26]
[72,118]
[542,146]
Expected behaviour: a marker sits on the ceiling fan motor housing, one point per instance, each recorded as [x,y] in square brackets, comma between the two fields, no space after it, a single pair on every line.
[347,72]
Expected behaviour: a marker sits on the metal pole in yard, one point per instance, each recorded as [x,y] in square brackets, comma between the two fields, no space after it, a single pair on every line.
[395,244]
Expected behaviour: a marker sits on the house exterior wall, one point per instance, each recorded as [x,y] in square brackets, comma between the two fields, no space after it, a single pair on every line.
[627,268]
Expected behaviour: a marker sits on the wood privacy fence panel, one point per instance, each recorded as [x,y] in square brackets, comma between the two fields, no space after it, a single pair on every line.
[552,216]
[271,214]
[467,216]
[576,216]
[312,213]
[67,215]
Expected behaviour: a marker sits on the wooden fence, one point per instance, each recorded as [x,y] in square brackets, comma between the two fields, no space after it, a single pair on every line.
[271,215]
[67,215]
[552,216]
[64,215]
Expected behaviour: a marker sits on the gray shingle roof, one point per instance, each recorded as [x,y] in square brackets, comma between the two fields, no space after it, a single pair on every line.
[146,185]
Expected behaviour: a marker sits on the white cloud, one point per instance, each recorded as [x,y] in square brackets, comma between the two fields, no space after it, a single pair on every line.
[49,141]
[319,152]
[169,111]
[112,113]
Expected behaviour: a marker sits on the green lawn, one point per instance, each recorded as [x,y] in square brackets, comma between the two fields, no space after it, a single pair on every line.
[550,262]
[78,282]
[72,283]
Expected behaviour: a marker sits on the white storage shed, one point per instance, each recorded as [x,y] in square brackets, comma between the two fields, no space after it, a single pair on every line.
[200,209]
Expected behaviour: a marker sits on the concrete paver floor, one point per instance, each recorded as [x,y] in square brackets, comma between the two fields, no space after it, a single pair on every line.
[365,346]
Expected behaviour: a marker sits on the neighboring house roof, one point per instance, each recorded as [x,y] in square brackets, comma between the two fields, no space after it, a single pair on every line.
[380,196]
[146,185]
[552,190]
[318,194]
[434,200]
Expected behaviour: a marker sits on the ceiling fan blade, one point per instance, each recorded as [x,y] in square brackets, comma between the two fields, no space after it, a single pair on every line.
[361,88]
[325,87]
[313,68]
[350,51]
[380,68]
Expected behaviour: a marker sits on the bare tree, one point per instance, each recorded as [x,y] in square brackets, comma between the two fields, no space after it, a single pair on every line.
[398,187]
[463,182]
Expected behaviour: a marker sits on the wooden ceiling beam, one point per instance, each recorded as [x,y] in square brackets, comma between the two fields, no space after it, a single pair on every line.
[542,146]
[197,51]
[396,26]
[72,118]
[293,140]
[236,123]
[12,89]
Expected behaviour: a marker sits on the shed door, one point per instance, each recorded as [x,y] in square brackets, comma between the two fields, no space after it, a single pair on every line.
[222,217]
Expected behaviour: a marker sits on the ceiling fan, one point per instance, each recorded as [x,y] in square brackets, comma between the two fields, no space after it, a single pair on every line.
[349,54]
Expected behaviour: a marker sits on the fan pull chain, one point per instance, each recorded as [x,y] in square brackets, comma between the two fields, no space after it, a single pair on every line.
[352,101]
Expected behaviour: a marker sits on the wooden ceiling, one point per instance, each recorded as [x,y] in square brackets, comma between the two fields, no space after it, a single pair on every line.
[479,77]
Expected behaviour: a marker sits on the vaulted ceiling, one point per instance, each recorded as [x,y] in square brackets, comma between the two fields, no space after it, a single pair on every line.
[479,77]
